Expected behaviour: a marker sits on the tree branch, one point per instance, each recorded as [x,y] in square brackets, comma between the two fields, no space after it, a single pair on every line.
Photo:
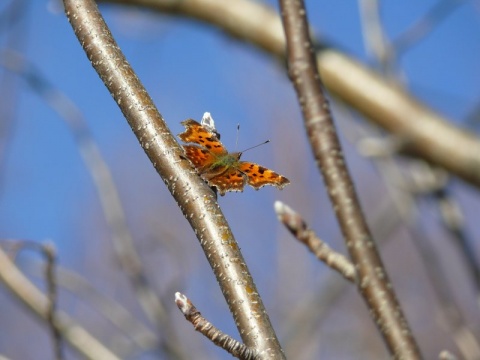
[295,224]
[142,337]
[206,328]
[372,279]
[35,300]
[49,253]
[195,199]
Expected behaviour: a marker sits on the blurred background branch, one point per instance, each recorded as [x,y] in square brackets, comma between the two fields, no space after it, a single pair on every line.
[121,236]
[430,136]
[39,304]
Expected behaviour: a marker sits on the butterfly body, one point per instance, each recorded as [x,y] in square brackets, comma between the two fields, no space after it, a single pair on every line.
[220,168]
[228,160]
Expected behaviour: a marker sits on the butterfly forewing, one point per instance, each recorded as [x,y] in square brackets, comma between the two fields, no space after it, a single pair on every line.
[259,176]
[196,133]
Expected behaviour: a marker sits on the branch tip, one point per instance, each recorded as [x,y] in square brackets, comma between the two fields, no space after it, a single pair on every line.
[207,329]
[184,304]
[280,208]
[446,355]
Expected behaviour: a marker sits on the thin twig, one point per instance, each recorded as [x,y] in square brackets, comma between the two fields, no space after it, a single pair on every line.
[439,11]
[453,222]
[320,249]
[48,251]
[81,340]
[194,198]
[206,328]
[50,254]
[450,317]
[434,183]
[374,38]
[144,338]
[372,279]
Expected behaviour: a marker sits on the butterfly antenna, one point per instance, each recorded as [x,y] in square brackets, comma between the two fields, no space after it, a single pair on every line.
[253,147]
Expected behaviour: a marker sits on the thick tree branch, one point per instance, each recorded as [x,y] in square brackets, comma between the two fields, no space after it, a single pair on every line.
[195,199]
[430,136]
[372,279]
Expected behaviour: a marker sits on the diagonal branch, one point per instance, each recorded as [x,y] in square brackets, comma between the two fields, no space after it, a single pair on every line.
[372,279]
[194,198]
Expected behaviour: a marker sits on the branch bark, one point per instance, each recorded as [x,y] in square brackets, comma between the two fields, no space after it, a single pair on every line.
[372,278]
[195,199]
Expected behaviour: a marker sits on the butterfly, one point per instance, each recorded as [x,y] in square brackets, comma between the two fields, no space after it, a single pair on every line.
[222,169]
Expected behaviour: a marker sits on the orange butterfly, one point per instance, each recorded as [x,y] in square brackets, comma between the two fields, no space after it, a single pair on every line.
[220,168]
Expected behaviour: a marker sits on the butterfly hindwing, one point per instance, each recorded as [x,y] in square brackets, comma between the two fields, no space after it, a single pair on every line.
[230,180]
[198,157]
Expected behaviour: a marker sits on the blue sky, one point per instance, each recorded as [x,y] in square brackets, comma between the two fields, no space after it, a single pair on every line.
[189,68]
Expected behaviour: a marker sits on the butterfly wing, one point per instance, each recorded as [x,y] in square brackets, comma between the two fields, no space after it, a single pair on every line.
[222,177]
[230,180]
[198,134]
[259,176]
[200,158]
[221,169]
